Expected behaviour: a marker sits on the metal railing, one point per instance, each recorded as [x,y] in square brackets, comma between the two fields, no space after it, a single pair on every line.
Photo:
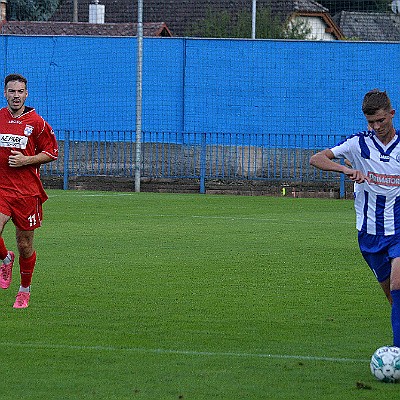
[199,156]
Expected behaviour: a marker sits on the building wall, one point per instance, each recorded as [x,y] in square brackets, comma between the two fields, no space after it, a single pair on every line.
[318,28]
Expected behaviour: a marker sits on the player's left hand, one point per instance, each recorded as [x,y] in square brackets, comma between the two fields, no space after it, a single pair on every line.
[16,159]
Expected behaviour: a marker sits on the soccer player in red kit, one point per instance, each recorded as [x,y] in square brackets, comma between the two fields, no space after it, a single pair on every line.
[26,142]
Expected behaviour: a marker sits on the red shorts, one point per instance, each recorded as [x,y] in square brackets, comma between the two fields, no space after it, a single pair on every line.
[26,212]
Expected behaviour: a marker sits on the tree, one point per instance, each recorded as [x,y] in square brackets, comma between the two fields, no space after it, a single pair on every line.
[336,6]
[226,25]
[31,10]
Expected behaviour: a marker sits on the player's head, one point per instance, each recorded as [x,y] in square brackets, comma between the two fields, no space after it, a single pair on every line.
[374,101]
[378,111]
[15,92]
[15,77]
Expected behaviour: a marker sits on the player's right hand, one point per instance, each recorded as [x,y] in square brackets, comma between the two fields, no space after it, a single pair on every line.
[356,176]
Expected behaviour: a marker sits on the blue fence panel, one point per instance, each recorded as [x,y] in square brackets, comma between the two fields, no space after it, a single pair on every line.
[203,85]
[212,108]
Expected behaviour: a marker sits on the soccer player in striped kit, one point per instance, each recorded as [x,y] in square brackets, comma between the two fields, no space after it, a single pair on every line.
[26,142]
[374,156]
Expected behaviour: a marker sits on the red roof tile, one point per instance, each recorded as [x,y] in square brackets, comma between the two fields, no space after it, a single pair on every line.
[81,29]
[179,15]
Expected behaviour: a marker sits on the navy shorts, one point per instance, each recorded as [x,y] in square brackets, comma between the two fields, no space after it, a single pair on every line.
[378,251]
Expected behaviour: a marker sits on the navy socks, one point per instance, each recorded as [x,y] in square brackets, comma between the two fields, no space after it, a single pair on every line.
[396,317]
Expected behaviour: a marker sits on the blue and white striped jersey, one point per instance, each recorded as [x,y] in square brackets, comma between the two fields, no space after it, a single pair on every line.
[377,203]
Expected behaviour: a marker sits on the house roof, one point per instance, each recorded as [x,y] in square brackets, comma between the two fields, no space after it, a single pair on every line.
[81,28]
[369,26]
[179,15]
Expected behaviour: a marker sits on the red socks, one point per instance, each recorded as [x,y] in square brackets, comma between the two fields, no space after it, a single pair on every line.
[3,249]
[26,267]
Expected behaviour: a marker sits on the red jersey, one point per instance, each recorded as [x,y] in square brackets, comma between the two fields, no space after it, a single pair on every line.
[30,134]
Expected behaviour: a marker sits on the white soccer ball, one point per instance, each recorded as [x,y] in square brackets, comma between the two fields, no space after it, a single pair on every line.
[385,364]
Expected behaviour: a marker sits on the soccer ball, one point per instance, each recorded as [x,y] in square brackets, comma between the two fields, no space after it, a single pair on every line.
[385,364]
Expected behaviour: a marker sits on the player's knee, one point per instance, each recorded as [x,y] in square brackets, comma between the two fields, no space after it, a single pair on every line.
[25,247]
[395,281]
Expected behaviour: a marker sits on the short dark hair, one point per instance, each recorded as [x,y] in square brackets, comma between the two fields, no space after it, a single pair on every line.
[15,77]
[374,101]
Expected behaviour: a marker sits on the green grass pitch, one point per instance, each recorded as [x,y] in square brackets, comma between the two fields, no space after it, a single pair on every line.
[179,296]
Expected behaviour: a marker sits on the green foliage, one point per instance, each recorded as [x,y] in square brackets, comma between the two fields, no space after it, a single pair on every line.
[298,29]
[226,25]
[31,10]
[215,25]
[167,296]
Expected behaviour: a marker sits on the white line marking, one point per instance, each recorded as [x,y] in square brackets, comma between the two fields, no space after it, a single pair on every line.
[182,352]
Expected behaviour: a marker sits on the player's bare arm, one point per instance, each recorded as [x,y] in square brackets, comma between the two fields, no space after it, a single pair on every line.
[324,160]
[17,159]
